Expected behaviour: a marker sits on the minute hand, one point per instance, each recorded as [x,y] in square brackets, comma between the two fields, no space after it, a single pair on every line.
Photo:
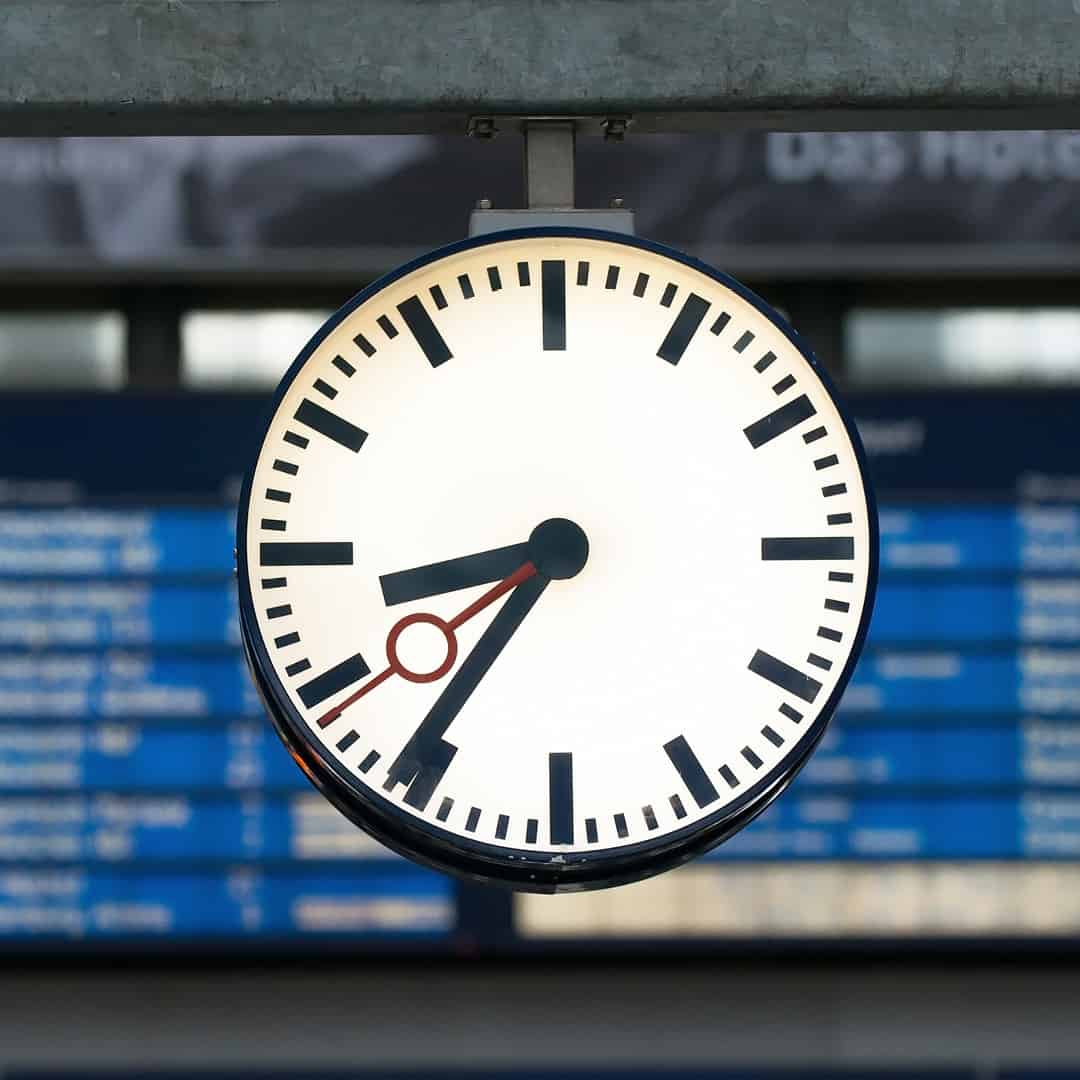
[426,756]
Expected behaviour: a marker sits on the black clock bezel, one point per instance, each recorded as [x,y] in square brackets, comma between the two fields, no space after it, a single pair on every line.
[544,871]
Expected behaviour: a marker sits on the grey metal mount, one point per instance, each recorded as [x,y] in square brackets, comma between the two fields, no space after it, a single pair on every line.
[549,177]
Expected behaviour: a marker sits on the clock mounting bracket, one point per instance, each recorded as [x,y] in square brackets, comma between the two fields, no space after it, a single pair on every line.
[550,145]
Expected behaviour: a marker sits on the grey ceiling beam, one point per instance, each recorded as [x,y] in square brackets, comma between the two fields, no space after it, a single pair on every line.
[132,67]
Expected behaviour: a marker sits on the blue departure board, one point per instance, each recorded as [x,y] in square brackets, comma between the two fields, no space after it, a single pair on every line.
[143,795]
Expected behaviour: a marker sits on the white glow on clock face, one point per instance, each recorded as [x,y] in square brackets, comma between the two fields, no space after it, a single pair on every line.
[597,383]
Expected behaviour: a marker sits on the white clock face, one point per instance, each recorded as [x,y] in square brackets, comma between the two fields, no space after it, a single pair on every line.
[555,558]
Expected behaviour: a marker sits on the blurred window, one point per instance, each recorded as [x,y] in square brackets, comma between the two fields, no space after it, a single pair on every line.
[963,345]
[243,348]
[62,350]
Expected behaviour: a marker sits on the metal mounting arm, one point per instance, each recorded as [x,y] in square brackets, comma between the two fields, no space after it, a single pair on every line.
[549,156]
[549,164]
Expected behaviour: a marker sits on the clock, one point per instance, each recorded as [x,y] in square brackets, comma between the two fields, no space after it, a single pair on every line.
[556,556]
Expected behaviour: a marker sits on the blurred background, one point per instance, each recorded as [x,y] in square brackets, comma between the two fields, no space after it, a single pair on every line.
[173,894]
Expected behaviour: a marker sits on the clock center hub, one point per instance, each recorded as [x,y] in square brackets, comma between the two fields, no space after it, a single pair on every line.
[558,548]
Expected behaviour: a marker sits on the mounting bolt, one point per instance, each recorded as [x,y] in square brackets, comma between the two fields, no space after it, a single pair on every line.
[616,203]
[483,204]
[615,128]
[482,127]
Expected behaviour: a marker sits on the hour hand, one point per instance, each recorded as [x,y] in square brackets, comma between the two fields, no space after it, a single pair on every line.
[453,574]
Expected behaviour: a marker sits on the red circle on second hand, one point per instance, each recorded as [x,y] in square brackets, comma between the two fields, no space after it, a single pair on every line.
[417,676]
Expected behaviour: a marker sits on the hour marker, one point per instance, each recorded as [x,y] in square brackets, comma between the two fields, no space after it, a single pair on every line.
[804,548]
[612,277]
[532,827]
[722,320]
[387,327]
[369,761]
[467,290]
[583,273]
[364,345]
[553,303]
[744,340]
[274,583]
[444,809]
[501,827]
[780,420]
[331,425]
[683,328]
[286,639]
[838,519]
[298,667]
[279,612]
[620,826]
[494,280]
[689,767]
[523,273]
[792,714]
[729,776]
[669,294]
[296,440]
[819,661]
[764,363]
[829,490]
[424,331]
[591,835]
[347,740]
[325,389]
[826,462]
[438,296]
[333,681]
[474,813]
[751,757]
[813,436]
[641,284]
[561,797]
[649,815]
[312,553]
[286,467]
[837,605]
[786,383]
[784,675]
[773,736]
[829,634]
[677,806]
[840,575]
[277,495]
[273,524]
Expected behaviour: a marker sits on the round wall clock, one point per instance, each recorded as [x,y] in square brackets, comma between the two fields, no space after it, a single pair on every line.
[555,559]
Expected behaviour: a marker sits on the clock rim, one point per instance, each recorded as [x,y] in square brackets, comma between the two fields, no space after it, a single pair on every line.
[521,869]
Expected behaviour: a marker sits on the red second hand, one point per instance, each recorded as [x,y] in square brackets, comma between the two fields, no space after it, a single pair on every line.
[522,573]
